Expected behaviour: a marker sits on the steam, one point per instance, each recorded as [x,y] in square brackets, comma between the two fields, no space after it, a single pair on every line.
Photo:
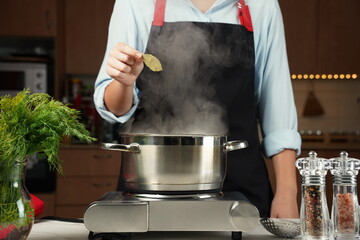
[178,102]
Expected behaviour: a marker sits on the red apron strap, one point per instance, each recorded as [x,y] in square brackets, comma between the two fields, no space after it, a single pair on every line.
[159,14]
[245,16]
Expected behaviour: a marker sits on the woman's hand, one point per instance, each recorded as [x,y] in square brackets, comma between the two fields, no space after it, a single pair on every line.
[284,205]
[124,67]
[124,64]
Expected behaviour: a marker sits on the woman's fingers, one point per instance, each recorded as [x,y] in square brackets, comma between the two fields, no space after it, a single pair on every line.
[124,64]
[124,78]
[122,57]
[120,65]
[126,49]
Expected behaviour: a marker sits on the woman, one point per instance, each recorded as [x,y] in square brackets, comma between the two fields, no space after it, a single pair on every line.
[236,51]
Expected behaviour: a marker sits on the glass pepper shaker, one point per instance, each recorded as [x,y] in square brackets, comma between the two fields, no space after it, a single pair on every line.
[314,213]
[345,208]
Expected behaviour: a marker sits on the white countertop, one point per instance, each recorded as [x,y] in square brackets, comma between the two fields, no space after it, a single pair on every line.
[60,230]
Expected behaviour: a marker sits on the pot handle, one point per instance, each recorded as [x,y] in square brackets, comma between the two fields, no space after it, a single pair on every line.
[132,148]
[235,145]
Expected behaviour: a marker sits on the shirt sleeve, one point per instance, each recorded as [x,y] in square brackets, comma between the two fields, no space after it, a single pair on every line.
[276,108]
[122,28]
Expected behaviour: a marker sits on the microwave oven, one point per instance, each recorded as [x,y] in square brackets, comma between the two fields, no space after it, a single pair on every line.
[17,76]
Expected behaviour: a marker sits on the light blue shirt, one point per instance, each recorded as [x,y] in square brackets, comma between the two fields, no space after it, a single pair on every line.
[131,22]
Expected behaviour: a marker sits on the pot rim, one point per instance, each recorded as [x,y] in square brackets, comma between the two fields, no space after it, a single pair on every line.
[170,135]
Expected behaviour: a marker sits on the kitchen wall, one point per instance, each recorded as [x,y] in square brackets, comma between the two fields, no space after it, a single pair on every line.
[339,99]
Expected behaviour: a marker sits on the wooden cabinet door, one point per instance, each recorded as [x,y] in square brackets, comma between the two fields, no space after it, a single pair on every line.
[83,191]
[300,22]
[322,35]
[34,18]
[86,33]
[339,34]
[90,162]
[89,172]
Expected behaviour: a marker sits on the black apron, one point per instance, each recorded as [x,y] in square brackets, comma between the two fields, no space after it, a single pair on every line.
[213,62]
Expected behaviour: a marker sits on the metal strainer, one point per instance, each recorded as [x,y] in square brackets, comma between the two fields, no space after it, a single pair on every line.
[282,228]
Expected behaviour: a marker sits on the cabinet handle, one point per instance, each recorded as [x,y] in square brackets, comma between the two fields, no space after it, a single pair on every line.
[48,19]
[99,156]
[104,184]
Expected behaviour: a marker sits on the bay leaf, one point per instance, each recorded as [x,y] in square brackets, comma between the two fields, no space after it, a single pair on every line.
[152,62]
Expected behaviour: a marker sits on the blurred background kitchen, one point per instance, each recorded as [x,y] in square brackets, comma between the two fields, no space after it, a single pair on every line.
[60,45]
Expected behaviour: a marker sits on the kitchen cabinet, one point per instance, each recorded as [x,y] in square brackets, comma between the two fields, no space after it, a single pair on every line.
[86,33]
[300,23]
[32,18]
[322,35]
[89,172]
[339,34]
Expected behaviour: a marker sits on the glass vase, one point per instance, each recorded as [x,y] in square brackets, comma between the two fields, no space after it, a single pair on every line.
[16,211]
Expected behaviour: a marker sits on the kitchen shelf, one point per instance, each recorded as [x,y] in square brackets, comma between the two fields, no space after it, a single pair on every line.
[331,141]
[330,146]
[331,138]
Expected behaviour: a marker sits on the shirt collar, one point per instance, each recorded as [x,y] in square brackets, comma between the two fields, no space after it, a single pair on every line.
[216,3]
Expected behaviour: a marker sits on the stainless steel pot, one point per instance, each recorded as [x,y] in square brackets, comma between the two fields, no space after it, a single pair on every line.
[165,163]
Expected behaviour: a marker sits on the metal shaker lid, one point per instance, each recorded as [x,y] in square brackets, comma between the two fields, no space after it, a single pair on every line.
[344,165]
[313,165]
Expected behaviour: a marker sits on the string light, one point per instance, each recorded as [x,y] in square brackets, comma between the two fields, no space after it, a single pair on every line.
[325,76]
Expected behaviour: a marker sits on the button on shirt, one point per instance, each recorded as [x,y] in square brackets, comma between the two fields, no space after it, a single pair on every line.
[131,23]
